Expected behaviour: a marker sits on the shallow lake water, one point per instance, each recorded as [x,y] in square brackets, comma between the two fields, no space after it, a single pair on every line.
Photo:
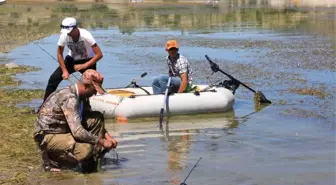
[273,48]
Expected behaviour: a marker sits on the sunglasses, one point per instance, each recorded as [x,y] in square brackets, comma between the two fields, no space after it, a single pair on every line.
[67,27]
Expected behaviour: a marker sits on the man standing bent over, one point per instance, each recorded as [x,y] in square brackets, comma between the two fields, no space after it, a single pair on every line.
[83,54]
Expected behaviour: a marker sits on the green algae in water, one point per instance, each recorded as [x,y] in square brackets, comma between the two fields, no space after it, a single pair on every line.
[18,152]
[299,112]
[8,81]
[6,74]
[20,95]
[318,92]
[21,69]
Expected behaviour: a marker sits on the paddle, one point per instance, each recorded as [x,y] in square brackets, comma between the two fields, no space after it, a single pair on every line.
[136,85]
[215,68]
[164,101]
[133,81]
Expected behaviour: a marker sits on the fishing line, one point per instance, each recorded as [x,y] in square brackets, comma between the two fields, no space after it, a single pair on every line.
[71,73]
[57,61]
[115,156]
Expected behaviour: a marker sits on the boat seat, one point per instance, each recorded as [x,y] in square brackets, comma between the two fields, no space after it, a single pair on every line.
[121,93]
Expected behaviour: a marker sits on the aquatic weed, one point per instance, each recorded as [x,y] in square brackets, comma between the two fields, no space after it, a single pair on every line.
[311,91]
[303,113]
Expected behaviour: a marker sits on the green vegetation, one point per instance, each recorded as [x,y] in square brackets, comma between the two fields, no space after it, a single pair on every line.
[17,150]
[20,159]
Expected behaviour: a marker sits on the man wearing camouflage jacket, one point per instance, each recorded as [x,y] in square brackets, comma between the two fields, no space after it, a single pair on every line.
[67,135]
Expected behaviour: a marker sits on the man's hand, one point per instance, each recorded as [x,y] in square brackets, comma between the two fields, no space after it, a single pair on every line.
[108,144]
[79,67]
[60,60]
[171,90]
[115,143]
[65,75]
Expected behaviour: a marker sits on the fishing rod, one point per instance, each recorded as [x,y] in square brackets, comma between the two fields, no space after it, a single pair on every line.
[56,61]
[115,152]
[183,183]
[64,66]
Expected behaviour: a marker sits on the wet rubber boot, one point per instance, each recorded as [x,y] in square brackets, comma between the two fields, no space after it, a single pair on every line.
[89,165]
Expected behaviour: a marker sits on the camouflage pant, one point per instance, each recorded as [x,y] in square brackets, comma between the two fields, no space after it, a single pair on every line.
[66,151]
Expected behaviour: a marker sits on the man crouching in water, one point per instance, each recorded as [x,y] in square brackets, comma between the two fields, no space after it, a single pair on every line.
[67,132]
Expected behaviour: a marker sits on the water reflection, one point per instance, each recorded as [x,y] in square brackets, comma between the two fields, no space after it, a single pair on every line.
[21,21]
[178,146]
[169,151]
[280,3]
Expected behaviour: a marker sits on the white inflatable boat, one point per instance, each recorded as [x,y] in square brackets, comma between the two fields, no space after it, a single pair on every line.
[127,103]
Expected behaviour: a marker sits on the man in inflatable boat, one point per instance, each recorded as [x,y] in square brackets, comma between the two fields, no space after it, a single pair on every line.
[68,133]
[179,69]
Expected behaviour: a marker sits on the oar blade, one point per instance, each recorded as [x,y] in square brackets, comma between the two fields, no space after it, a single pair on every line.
[260,97]
[161,116]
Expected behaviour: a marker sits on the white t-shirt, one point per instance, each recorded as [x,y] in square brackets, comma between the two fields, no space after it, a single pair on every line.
[80,50]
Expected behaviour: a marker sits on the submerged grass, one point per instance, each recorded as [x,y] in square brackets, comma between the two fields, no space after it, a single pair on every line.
[20,159]
[17,150]
[318,92]
[6,75]
[303,113]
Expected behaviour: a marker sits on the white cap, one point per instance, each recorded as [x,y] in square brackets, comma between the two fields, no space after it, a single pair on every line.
[68,24]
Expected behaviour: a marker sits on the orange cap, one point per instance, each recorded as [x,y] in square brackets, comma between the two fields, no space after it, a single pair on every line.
[171,44]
